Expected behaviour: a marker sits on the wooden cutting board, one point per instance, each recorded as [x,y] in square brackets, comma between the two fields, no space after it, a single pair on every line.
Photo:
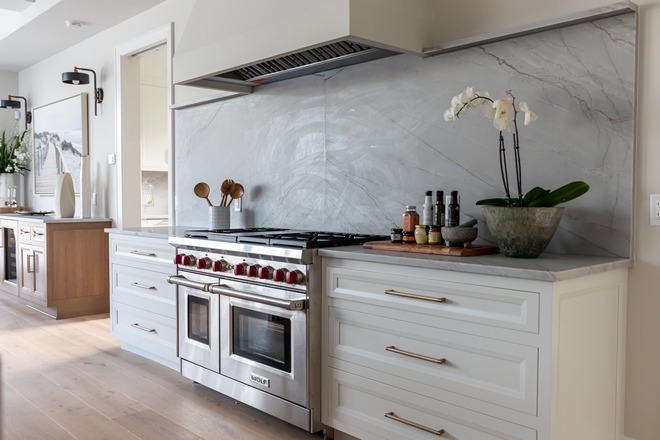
[475,250]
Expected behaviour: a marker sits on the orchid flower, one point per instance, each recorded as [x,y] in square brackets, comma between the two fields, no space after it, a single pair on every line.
[529,115]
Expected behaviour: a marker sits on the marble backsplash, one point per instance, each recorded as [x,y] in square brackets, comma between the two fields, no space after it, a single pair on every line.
[346,150]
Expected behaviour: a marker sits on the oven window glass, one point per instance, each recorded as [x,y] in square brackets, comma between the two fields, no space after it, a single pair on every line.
[262,338]
[198,319]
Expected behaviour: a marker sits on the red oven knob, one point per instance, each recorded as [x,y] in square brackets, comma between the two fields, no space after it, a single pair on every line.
[204,263]
[265,273]
[253,270]
[185,260]
[239,269]
[295,277]
[178,259]
[279,274]
[219,266]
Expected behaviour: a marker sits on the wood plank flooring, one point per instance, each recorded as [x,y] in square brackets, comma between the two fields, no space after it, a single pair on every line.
[69,379]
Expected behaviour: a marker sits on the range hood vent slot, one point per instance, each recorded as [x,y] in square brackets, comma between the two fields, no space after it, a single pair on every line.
[318,59]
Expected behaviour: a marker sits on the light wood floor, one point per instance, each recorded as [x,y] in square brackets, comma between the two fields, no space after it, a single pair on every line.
[70,379]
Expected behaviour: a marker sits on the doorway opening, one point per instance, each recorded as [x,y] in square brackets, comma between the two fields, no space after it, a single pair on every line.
[145,151]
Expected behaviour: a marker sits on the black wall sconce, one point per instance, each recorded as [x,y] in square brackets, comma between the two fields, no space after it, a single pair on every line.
[10,103]
[77,78]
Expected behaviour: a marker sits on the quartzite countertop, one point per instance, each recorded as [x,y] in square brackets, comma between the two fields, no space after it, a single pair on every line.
[548,267]
[153,231]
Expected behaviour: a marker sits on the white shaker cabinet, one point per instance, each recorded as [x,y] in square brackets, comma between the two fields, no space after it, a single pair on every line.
[142,303]
[415,353]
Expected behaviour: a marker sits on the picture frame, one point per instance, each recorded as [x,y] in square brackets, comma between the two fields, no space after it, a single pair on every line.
[59,139]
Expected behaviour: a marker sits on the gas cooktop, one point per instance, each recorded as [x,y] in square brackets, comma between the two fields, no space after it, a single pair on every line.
[284,237]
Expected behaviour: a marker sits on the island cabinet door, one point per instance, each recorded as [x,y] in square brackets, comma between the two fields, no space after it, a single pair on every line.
[33,273]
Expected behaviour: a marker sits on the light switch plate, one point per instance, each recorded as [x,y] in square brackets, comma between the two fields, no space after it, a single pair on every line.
[112,159]
[654,211]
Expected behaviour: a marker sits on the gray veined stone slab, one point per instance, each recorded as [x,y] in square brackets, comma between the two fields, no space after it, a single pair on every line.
[347,149]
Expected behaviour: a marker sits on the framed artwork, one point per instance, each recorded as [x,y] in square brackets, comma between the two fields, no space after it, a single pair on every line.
[60,139]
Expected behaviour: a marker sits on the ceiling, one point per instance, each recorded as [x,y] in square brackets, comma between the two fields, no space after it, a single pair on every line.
[32,30]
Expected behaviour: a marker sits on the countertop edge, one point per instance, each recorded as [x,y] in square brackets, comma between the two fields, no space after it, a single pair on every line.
[581,265]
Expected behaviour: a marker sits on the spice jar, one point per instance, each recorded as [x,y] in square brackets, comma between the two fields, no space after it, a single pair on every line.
[420,234]
[396,235]
[410,219]
[435,237]
[409,237]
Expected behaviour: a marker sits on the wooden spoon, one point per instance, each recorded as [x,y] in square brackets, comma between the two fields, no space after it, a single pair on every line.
[236,192]
[202,191]
[225,189]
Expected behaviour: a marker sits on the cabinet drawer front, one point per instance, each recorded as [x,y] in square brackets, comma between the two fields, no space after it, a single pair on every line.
[25,232]
[498,372]
[145,289]
[512,309]
[38,233]
[148,331]
[362,403]
[144,250]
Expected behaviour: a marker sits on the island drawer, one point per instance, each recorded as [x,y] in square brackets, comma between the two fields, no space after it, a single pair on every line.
[413,297]
[148,331]
[143,250]
[144,288]
[437,360]
[372,410]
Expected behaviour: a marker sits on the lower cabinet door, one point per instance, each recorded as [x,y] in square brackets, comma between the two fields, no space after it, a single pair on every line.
[372,410]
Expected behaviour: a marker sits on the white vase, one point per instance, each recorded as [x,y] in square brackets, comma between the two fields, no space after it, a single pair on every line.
[65,197]
[85,188]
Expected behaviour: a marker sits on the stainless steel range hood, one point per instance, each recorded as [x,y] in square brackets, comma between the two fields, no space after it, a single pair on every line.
[223,47]
[318,59]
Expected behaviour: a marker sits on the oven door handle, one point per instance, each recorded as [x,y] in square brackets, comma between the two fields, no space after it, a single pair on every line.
[183,281]
[294,304]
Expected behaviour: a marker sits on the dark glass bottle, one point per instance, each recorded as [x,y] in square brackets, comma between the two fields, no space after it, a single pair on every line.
[454,210]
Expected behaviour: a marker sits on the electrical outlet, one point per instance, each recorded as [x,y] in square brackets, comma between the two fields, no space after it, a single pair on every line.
[176,203]
[93,198]
[238,205]
[654,211]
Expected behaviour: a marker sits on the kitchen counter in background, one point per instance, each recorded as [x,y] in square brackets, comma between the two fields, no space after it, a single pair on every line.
[548,267]
[51,219]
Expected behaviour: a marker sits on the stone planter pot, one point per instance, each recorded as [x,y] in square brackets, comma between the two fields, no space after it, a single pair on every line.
[522,232]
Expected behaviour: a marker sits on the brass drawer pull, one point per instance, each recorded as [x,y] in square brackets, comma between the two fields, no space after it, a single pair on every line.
[144,329]
[393,349]
[142,286]
[145,254]
[391,415]
[413,296]
[39,234]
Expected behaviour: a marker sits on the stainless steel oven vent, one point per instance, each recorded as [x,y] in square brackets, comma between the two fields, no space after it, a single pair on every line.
[306,62]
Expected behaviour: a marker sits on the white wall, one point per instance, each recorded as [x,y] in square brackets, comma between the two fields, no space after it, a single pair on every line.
[41,85]
[9,86]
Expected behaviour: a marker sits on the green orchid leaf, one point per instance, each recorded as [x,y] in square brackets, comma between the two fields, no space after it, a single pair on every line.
[564,194]
[493,202]
[534,194]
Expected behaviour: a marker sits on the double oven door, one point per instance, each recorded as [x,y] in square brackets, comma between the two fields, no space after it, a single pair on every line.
[253,334]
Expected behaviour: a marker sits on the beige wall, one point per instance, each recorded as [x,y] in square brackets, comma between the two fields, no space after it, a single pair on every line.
[41,84]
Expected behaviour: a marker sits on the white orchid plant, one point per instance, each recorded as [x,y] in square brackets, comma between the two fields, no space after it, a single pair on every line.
[504,114]
[14,155]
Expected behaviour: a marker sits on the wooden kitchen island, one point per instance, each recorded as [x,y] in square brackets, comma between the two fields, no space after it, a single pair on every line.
[56,266]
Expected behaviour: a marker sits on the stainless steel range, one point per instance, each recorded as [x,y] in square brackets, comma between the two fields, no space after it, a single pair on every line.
[249,322]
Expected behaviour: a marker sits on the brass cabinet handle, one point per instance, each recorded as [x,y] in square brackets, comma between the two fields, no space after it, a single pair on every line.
[145,254]
[391,415]
[142,286]
[413,296]
[144,329]
[28,263]
[39,234]
[393,349]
